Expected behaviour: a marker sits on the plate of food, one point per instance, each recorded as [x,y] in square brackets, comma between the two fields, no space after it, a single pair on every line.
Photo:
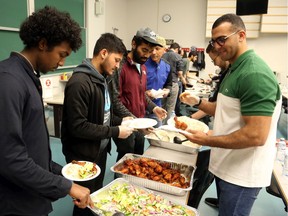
[184,122]
[140,123]
[81,170]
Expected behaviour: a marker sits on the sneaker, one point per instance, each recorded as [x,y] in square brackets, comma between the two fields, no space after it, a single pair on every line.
[213,202]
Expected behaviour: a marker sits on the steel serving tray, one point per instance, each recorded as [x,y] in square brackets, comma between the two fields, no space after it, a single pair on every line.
[186,170]
[95,196]
[167,142]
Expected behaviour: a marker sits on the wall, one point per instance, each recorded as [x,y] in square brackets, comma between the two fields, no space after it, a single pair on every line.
[95,25]
[187,27]
[116,16]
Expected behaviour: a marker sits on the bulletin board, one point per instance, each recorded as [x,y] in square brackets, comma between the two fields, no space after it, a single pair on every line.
[14,12]
[9,41]
[76,10]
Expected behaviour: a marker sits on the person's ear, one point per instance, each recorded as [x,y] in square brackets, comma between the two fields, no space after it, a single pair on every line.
[42,45]
[242,35]
[133,45]
[103,53]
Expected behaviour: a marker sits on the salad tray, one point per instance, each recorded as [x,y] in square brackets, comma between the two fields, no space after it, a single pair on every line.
[122,196]
[186,171]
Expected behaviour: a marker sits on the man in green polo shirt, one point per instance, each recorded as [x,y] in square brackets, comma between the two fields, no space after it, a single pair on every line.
[245,123]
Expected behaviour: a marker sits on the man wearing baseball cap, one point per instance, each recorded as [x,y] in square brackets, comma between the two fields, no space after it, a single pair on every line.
[148,35]
[132,86]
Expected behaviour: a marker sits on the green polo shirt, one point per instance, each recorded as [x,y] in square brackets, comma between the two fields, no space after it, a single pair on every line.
[252,82]
[249,89]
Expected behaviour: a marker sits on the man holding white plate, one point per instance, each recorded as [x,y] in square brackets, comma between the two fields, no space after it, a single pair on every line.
[88,121]
[132,81]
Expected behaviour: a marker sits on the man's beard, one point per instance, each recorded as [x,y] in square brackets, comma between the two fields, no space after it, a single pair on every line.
[137,58]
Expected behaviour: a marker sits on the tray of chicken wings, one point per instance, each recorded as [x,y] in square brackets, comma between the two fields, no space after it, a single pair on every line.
[164,176]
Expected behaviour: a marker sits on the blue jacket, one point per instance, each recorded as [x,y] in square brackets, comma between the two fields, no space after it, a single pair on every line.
[159,76]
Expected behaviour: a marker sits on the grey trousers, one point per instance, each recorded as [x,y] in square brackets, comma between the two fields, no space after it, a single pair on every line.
[169,102]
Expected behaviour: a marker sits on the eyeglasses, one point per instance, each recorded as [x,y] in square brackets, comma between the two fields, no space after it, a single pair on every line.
[213,60]
[222,39]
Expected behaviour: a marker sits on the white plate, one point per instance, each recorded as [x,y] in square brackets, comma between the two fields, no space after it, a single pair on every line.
[157,94]
[69,171]
[140,123]
[192,124]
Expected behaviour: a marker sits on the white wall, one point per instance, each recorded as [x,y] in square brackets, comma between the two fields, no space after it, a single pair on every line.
[116,17]
[187,27]
[95,25]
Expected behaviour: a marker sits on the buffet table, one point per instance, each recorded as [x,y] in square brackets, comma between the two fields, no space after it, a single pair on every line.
[175,156]
[282,182]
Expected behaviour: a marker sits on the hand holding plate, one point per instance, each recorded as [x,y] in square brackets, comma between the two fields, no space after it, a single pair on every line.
[189,98]
[124,131]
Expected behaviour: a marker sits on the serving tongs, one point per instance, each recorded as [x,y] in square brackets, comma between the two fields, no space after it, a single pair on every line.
[154,131]
[172,129]
[102,212]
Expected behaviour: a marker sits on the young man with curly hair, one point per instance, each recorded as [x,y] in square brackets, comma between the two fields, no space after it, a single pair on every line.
[29,179]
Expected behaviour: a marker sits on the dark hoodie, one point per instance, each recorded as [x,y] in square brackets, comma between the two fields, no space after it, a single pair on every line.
[83,130]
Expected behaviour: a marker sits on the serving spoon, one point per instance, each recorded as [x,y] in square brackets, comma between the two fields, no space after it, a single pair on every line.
[177,140]
[103,212]
[118,214]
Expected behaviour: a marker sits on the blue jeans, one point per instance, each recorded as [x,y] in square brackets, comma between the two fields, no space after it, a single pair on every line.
[235,200]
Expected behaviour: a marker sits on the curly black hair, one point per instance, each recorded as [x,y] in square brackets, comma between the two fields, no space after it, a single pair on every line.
[54,26]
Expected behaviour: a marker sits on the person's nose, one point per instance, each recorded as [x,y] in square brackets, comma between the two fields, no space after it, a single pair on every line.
[117,65]
[61,62]
[147,55]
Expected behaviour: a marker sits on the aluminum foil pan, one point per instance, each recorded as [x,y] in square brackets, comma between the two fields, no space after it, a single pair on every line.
[186,170]
[104,193]
[164,139]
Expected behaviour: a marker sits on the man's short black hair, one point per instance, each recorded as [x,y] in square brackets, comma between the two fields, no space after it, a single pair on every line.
[110,42]
[175,46]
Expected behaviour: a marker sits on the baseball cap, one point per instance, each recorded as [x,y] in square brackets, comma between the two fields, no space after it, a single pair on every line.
[148,35]
[161,41]
[193,51]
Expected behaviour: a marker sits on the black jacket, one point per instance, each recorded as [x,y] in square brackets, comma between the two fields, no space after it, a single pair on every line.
[83,114]
[29,180]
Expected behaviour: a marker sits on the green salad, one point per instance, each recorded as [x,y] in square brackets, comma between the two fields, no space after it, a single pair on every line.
[132,200]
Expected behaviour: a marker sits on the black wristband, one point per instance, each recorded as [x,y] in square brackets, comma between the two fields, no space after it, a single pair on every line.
[200,101]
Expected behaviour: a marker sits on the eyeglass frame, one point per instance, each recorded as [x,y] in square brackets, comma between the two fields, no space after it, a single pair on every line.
[223,38]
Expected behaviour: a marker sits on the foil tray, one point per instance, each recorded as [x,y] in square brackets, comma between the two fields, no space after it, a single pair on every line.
[186,147]
[99,193]
[186,170]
